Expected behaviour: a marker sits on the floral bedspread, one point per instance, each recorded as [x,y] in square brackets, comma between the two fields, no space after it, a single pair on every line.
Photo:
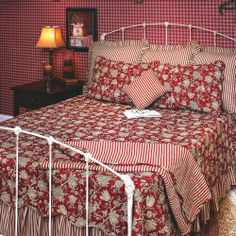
[209,138]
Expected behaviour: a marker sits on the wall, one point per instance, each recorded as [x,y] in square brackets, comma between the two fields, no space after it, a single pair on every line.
[21,22]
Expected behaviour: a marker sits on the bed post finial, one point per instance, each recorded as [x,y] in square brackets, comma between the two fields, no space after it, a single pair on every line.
[102,38]
[17,130]
[129,188]
[166,24]
[50,140]
[129,185]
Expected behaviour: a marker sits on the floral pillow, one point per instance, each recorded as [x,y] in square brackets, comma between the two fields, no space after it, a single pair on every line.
[110,77]
[164,73]
[129,51]
[228,56]
[145,89]
[196,87]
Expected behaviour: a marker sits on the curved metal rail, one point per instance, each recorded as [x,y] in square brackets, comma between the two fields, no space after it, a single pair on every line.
[166,25]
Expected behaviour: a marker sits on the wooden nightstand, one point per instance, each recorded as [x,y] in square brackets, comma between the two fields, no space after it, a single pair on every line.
[34,95]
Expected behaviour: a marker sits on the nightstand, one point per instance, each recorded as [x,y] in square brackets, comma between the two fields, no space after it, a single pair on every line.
[34,95]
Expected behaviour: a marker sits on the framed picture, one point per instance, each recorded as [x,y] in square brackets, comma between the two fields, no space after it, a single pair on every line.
[81,28]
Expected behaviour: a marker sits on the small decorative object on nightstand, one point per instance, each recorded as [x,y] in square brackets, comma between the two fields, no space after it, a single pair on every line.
[35,95]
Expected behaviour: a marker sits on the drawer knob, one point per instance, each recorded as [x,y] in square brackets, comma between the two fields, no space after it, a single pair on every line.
[32,100]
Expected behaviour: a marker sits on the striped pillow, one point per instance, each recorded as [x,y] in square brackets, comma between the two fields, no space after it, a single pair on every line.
[231,51]
[129,51]
[229,82]
[172,54]
[145,90]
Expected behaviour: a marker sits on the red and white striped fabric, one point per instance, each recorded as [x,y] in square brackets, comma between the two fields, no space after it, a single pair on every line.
[185,185]
[127,51]
[229,82]
[145,90]
[172,54]
[34,224]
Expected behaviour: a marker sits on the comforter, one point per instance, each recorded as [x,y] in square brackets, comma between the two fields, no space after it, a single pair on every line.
[210,139]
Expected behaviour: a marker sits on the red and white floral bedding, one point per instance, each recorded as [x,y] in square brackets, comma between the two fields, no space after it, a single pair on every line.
[211,140]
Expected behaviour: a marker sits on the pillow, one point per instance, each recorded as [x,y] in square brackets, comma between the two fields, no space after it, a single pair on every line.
[110,77]
[145,90]
[172,54]
[229,83]
[129,51]
[231,51]
[196,87]
[164,73]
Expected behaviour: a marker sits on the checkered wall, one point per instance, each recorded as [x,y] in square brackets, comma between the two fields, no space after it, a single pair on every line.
[22,20]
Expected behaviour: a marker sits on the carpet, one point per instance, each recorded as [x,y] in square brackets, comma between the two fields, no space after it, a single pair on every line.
[223,223]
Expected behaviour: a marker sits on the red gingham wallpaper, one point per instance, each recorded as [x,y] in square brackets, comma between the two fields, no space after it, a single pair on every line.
[22,20]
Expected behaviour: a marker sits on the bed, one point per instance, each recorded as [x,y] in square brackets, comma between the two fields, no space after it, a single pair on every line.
[181,164]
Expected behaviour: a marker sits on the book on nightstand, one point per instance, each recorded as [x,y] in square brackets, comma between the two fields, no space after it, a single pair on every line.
[67,81]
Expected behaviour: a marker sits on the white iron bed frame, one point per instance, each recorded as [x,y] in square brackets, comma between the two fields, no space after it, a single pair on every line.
[129,185]
[166,25]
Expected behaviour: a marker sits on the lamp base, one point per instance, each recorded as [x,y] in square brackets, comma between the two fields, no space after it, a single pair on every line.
[50,83]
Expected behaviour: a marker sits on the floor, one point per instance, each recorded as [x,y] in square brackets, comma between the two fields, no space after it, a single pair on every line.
[224,224]
[227,215]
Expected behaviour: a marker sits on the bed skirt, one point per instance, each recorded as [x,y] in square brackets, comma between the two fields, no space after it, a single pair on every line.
[33,224]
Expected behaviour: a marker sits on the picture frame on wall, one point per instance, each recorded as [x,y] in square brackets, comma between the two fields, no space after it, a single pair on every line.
[81,28]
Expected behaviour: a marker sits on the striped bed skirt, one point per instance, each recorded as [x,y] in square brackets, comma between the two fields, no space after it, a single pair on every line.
[33,224]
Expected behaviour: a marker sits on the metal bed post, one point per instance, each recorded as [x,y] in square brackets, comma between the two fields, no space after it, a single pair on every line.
[17,131]
[87,159]
[50,142]
[129,188]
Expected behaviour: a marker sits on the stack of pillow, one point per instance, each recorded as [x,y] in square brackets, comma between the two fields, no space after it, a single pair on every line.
[190,77]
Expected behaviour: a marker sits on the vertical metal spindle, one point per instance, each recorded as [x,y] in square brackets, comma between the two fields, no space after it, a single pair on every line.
[50,141]
[123,33]
[87,192]
[215,34]
[166,25]
[190,33]
[144,31]
[17,132]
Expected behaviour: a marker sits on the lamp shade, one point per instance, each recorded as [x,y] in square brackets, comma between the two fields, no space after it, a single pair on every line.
[51,37]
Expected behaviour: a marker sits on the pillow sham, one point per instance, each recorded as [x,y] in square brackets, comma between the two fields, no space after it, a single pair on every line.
[110,77]
[172,54]
[196,87]
[229,82]
[129,51]
[228,51]
[145,89]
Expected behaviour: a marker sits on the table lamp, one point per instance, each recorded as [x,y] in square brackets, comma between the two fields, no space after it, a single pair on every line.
[50,38]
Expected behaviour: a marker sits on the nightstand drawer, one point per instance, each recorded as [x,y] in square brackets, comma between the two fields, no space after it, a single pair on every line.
[30,100]
[35,95]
